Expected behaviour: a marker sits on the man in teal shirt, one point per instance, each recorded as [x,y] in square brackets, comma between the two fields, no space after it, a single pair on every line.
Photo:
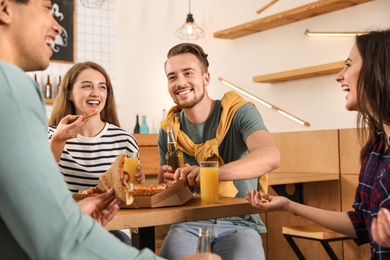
[230,130]
[39,218]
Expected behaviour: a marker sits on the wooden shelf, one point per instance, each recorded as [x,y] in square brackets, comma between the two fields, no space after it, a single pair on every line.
[302,73]
[49,101]
[279,178]
[286,17]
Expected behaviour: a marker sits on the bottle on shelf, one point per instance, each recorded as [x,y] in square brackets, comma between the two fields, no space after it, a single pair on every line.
[164,114]
[204,243]
[48,89]
[144,129]
[58,86]
[173,157]
[136,128]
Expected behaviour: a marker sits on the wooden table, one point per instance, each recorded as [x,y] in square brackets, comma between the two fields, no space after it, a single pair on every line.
[143,220]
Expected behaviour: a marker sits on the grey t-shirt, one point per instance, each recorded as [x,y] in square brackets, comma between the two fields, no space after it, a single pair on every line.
[246,121]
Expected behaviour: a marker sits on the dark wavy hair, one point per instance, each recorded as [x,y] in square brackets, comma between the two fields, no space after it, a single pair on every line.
[373,87]
[193,49]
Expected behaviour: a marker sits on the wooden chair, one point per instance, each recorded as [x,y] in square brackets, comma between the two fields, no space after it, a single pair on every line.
[312,232]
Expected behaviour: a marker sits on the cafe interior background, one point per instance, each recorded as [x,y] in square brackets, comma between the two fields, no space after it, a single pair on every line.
[130,40]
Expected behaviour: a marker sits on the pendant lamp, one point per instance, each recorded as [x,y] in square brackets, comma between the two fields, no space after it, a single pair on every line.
[92,3]
[190,30]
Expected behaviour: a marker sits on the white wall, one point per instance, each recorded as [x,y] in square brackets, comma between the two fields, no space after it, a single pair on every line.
[95,40]
[146,31]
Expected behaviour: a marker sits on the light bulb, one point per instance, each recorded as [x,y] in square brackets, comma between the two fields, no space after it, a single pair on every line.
[189,28]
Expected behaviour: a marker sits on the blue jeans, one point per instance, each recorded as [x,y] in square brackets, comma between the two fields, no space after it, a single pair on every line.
[121,236]
[227,240]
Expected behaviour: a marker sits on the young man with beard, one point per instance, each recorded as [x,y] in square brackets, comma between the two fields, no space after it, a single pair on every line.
[39,218]
[229,130]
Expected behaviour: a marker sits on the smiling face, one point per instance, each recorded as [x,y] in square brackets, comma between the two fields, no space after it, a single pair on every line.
[348,78]
[186,80]
[89,91]
[33,34]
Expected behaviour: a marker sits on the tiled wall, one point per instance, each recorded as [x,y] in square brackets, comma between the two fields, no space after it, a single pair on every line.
[95,39]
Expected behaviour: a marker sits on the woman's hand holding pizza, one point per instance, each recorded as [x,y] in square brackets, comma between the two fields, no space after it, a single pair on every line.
[68,128]
[140,175]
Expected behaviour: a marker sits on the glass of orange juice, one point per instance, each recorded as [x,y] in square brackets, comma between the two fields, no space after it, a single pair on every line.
[209,182]
[130,166]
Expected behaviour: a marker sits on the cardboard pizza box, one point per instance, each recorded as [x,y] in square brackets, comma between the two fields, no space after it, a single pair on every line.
[177,194]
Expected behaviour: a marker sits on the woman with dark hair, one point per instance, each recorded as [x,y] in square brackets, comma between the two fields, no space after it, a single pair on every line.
[366,79]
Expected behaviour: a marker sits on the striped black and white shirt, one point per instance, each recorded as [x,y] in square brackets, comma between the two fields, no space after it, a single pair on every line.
[85,159]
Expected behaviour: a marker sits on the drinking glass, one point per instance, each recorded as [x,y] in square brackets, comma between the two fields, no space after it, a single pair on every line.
[209,182]
[130,166]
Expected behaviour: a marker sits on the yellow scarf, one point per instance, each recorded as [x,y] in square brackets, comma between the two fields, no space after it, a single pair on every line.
[208,151]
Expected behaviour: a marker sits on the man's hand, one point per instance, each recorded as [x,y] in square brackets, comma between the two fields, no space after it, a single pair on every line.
[101,207]
[168,176]
[189,174]
[380,228]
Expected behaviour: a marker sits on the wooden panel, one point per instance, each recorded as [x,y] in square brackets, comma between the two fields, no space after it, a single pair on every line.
[314,195]
[148,152]
[350,147]
[277,178]
[349,183]
[301,73]
[286,17]
[308,152]
[49,101]
[353,252]
[146,139]
[149,158]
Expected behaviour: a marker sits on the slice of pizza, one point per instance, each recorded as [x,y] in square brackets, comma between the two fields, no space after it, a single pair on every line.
[117,179]
[85,115]
[93,191]
[141,190]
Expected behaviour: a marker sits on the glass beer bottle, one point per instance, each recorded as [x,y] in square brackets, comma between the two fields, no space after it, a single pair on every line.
[204,243]
[48,89]
[136,128]
[174,157]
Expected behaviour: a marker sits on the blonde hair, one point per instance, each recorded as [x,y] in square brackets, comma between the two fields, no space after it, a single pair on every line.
[63,106]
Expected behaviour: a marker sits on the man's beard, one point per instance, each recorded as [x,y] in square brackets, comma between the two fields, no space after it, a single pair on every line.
[192,103]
